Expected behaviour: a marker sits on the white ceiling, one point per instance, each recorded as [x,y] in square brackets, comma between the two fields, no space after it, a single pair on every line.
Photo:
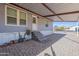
[70,17]
[36,7]
[55,18]
[56,7]
[63,7]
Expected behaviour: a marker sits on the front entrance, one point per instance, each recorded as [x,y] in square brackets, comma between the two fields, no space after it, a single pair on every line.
[34,24]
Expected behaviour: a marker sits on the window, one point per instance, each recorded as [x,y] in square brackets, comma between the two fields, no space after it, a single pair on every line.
[22,18]
[11,16]
[15,16]
[34,20]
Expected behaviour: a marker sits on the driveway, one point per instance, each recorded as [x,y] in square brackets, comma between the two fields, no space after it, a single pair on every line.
[66,46]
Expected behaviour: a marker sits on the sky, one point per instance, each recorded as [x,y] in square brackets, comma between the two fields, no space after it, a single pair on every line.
[67,24]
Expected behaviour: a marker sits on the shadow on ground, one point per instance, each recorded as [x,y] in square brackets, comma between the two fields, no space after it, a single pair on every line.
[53,53]
[31,48]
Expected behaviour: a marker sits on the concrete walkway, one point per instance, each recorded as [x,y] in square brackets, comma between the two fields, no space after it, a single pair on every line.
[66,46]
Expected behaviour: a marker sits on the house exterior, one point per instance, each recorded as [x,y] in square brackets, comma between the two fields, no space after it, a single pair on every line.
[14,20]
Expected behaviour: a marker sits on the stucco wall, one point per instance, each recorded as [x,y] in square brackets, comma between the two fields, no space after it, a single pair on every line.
[29,21]
[42,22]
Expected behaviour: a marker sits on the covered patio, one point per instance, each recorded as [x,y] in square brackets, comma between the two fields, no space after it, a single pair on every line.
[58,43]
[55,12]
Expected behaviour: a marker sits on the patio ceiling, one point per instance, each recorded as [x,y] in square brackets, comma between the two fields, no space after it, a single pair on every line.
[54,11]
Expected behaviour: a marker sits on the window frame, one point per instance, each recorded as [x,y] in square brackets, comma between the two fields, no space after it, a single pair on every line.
[25,19]
[18,17]
[7,15]
[35,19]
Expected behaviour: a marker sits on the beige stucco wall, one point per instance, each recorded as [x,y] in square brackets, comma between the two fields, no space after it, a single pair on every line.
[29,20]
[42,22]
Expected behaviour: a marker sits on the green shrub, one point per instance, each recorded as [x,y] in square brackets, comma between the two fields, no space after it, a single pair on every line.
[60,28]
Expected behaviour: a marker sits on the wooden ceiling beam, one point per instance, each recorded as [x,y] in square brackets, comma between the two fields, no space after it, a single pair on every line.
[51,11]
[29,10]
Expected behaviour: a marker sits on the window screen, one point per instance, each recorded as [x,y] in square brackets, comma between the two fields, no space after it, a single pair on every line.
[22,18]
[11,16]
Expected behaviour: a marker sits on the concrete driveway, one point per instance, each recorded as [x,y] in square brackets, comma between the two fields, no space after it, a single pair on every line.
[66,46]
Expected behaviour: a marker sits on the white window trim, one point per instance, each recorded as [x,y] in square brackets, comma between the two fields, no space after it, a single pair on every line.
[36,20]
[18,18]
[6,16]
